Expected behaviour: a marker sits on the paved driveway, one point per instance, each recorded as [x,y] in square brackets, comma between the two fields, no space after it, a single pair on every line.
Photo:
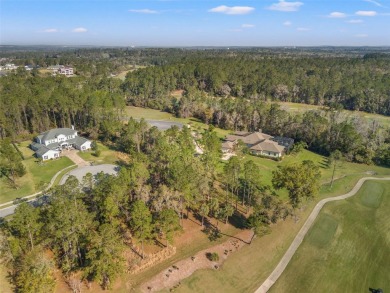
[163,125]
[72,154]
[82,171]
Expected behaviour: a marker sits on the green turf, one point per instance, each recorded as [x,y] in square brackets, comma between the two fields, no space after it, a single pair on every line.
[107,156]
[300,108]
[31,181]
[347,249]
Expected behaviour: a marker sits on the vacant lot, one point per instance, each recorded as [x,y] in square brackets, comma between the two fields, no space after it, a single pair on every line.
[347,249]
[36,178]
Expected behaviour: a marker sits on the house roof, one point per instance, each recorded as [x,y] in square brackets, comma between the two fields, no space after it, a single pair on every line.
[268,146]
[78,141]
[43,150]
[227,145]
[241,133]
[53,133]
[252,138]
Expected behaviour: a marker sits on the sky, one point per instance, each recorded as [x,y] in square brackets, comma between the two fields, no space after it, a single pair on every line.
[168,23]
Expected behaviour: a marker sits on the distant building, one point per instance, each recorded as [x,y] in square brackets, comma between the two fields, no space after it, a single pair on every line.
[49,144]
[10,66]
[66,71]
[258,143]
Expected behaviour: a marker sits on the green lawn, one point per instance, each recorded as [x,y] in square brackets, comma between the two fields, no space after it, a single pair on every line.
[107,156]
[300,108]
[31,182]
[347,249]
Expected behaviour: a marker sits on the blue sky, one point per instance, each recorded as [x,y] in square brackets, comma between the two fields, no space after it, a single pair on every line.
[195,22]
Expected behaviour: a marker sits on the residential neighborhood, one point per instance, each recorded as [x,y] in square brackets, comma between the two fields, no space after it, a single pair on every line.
[258,143]
[48,145]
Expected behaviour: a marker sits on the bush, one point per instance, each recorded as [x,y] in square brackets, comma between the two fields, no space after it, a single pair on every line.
[97,153]
[212,256]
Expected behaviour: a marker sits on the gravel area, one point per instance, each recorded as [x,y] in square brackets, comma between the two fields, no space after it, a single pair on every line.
[82,171]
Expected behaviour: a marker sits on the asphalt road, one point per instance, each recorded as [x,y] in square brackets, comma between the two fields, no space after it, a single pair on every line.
[164,125]
[7,211]
[80,172]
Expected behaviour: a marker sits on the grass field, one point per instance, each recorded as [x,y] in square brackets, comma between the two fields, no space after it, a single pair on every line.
[31,182]
[300,108]
[347,249]
[245,270]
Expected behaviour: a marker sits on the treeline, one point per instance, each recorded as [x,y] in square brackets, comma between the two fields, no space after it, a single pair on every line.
[83,227]
[361,84]
[32,104]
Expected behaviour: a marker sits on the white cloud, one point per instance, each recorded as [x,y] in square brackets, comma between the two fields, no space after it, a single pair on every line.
[79,30]
[303,29]
[361,35]
[50,30]
[247,25]
[232,10]
[366,13]
[354,21]
[337,15]
[287,23]
[144,11]
[285,6]
[376,3]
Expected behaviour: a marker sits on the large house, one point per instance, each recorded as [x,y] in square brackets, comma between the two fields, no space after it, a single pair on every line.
[66,70]
[49,144]
[258,143]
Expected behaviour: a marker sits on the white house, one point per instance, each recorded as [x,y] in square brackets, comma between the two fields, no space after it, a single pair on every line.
[66,71]
[49,144]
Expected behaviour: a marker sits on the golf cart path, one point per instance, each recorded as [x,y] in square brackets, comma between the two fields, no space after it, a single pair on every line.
[277,272]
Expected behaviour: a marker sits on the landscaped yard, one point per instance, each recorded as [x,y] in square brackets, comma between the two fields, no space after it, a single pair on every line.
[347,249]
[107,156]
[35,179]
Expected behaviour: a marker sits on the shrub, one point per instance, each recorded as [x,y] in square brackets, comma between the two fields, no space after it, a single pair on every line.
[97,153]
[212,256]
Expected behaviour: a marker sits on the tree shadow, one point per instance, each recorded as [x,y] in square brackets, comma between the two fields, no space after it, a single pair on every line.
[324,164]
[237,220]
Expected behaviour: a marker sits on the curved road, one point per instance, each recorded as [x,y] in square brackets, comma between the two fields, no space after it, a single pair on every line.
[301,234]
[78,172]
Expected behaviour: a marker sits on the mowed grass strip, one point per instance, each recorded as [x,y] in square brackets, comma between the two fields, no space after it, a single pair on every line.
[347,249]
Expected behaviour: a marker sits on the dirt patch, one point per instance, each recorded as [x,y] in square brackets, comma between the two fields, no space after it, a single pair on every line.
[171,277]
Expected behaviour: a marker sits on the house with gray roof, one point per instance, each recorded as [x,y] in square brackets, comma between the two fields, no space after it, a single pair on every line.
[258,143]
[48,145]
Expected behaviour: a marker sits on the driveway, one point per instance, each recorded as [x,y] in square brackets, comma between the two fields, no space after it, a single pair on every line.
[72,154]
[164,125]
[80,172]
